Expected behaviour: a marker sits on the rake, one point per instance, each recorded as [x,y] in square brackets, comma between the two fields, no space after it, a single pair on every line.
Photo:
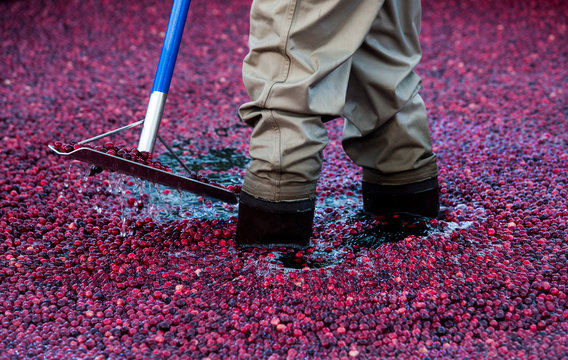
[151,123]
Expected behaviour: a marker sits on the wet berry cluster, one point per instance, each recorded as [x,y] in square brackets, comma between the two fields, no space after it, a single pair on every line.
[123,151]
[83,276]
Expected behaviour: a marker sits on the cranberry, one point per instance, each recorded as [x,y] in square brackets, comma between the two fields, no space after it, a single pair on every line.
[107,267]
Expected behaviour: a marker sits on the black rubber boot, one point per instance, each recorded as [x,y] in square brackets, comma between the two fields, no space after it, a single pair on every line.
[269,224]
[416,199]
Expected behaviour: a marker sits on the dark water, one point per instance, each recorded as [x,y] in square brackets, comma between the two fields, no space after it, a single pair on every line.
[222,166]
[388,230]
[375,232]
[218,165]
[345,232]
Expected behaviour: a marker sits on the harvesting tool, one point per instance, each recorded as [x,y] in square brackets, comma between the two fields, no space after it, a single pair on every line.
[151,123]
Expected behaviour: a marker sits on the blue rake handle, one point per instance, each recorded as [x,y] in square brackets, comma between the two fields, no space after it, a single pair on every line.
[163,76]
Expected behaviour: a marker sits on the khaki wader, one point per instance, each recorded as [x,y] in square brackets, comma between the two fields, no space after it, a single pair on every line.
[312,60]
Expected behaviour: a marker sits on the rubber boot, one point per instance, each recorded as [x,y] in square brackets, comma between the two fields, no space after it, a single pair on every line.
[267,224]
[416,199]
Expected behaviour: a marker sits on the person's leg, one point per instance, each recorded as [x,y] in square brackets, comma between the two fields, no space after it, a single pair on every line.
[297,71]
[386,126]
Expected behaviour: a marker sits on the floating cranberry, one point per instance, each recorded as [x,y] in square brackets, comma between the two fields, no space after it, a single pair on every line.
[86,272]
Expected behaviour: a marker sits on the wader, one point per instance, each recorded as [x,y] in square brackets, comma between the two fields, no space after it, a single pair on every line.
[312,60]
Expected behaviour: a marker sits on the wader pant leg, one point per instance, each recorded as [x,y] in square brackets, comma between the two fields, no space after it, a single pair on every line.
[298,70]
[386,126]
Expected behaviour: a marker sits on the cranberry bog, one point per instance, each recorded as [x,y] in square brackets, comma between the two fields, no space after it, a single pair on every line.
[111,267]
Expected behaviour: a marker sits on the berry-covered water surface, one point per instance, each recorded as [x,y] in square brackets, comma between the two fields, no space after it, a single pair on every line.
[108,266]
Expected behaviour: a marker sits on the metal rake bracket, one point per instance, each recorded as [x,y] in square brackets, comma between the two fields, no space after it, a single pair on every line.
[145,172]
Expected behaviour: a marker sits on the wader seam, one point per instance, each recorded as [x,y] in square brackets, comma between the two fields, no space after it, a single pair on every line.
[276,128]
[284,75]
[283,50]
